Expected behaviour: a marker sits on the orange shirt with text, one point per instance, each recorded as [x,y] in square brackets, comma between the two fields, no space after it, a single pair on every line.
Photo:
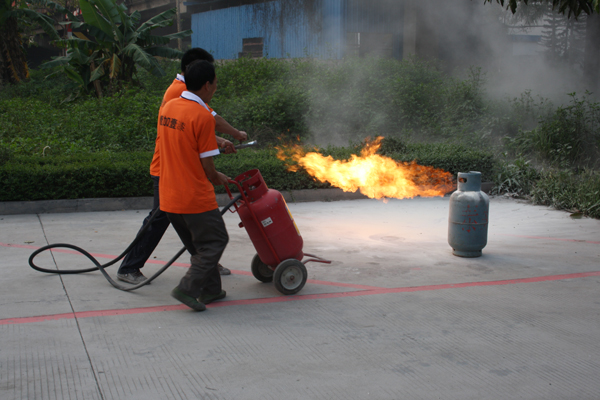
[173,91]
[187,133]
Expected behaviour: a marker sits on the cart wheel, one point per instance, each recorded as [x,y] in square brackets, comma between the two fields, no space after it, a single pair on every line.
[290,276]
[260,270]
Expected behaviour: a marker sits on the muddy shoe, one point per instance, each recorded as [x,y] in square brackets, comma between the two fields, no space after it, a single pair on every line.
[187,300]
[223,270]
[209,298]
[135,277]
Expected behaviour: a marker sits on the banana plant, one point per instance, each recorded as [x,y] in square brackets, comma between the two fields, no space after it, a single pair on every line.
[14,14]
[109,45]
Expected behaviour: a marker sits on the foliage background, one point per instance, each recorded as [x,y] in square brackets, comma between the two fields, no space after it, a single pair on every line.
[92,147]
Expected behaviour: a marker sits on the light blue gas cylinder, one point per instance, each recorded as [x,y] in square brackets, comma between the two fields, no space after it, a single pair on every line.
[468,221]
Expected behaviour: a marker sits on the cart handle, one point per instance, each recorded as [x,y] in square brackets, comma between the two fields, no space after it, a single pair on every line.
[316,259]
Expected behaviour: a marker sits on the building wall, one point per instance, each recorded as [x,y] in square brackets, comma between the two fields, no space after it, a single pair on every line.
[380,24]
[330,33]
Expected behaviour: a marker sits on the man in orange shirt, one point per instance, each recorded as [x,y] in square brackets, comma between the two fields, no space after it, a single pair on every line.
[129,271]
[187,174]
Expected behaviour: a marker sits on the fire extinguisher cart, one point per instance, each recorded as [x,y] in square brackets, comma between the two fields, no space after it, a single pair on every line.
[273,232]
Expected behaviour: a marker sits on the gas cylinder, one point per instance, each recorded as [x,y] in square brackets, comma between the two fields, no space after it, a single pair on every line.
[277,238]
[468,221]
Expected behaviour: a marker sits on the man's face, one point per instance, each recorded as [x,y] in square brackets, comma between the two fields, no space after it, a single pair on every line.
[211,89]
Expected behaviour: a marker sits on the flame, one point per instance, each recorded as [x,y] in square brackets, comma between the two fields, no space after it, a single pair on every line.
[376,176]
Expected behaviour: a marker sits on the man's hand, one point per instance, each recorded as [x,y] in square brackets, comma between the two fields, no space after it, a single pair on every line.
[228,147]
[215,177]
[225,145]
[241,136]
[222,179]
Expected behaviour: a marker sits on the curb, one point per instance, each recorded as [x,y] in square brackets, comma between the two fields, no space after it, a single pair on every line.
[146,203]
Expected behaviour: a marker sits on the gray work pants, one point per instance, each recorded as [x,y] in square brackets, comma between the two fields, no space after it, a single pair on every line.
[205,238]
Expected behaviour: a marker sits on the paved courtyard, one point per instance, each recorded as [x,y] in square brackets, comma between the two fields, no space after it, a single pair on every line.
[394,316]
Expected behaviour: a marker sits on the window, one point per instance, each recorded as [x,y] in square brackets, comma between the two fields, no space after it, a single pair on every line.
[252,47]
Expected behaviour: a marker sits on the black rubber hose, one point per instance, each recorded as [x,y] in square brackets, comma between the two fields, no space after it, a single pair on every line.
[101,267]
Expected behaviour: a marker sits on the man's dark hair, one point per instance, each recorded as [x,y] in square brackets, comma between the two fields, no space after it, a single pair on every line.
[195,54]
[198,73]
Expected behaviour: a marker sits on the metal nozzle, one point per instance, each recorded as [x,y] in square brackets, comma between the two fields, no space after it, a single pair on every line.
[244,145]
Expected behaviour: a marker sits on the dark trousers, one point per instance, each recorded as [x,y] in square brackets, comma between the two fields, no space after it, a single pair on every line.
[205,238]
[141,252]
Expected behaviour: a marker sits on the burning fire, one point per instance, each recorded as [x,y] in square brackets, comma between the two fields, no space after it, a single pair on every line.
[376,176]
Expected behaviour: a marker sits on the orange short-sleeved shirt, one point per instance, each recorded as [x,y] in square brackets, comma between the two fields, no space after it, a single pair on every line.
[173,92]
[187,133]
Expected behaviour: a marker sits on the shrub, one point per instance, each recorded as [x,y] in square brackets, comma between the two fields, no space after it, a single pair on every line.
[109,174]
[5,155]
[74,177]
[568,137]
[126,122]
[566,190]
[450,157]
[515,177]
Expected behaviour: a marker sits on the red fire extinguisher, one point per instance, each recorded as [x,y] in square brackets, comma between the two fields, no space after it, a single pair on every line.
[273,232]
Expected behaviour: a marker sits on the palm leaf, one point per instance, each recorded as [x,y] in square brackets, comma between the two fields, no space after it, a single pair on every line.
[72,41]
[98,73]
[101,36]
[45,22]
[131,37]
[115,67]
[72,74]
[135,17]
[152,40]
[58,61]
[127,23]
[94,18]
[109,10]
[180,35]
[145,60]
[165,52]
[163,19]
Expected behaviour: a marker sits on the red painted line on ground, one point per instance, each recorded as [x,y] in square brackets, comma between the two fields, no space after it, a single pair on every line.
[551,238]
[19,246]
[280,299]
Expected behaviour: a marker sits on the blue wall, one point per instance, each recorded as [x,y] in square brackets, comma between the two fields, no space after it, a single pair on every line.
[221,31]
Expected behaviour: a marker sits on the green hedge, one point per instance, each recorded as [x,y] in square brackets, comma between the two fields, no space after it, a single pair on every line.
[95,175]
[74,177]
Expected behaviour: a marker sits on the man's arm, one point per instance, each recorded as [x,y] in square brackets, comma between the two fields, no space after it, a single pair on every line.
[224,127]
[216,178]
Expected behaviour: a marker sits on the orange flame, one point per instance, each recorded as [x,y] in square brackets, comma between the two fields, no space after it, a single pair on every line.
[376,176]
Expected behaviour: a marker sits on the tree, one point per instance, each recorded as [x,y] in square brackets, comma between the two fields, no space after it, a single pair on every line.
[13,14]
[571,7]
[110,44]
[575,8]
[564,38]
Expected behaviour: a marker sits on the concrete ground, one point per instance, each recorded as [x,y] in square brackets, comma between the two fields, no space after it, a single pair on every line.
[394,316]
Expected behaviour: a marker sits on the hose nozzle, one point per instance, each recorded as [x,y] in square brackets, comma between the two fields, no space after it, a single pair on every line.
[244,145]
